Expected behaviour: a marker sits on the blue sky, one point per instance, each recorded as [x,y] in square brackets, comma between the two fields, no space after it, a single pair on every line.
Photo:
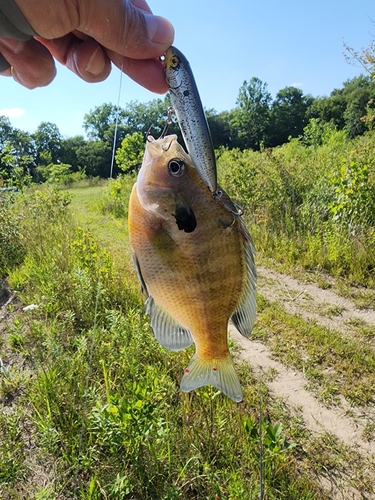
[283,43]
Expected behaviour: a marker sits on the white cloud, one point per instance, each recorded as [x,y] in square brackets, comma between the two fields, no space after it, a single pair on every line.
[297,84]
[12,112]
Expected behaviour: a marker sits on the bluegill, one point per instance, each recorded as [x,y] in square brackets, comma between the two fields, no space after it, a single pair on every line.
[188,107]
[195,261]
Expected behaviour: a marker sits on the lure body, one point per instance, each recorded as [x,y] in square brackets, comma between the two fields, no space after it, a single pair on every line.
[190,115]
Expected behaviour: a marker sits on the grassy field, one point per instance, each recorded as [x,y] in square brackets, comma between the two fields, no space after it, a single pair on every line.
[91,406]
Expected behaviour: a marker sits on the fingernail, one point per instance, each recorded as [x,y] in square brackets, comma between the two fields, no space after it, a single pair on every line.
[159,30]
[13,45]
[96,63]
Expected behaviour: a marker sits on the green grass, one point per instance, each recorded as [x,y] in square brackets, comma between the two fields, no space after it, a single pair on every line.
[103,411]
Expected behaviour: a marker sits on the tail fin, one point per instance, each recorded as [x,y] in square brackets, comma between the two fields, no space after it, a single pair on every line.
[219,373]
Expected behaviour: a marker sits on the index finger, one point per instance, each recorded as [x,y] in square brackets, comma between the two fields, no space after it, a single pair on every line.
[147,72]
[31,64]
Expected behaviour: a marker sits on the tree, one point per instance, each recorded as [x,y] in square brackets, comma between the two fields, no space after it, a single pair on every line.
[100,123]
[14,169]
[365,57]
[6,131]
[69,148]
[219,124]
[288,115]
[48,138]
[21,141]
[346,108]
[102,118]
[250,119]
[17,151]
[129,156]
[355,111]
[329,109]
[150,116]
[95,158]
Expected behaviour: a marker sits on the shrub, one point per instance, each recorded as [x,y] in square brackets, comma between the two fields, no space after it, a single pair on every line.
[11,248]
[115,198]
[313,205]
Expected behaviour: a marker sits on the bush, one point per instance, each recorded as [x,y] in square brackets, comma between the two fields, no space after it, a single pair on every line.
[11,248]
[115,199]
[63,267]
[313,205]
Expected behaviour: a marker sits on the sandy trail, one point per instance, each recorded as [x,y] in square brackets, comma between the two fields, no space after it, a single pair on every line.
[327,309]
[290,386]
[311,302]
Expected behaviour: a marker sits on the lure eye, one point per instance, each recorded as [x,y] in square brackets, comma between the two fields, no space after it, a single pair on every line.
[176,167]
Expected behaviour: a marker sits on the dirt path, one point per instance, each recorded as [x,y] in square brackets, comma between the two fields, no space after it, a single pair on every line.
[330,310]
[311,302]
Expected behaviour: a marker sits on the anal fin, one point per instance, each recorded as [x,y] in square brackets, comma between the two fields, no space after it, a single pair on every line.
[166,329]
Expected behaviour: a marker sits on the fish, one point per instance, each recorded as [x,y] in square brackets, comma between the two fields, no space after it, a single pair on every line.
[190,115]
[195,263]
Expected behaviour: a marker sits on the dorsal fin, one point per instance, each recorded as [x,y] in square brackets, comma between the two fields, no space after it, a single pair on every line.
[244,316]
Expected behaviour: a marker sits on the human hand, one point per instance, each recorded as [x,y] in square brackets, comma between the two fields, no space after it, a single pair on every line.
[87,36]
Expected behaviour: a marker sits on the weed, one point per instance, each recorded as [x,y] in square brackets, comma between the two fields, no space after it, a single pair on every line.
[11,448]
[11,248]
[12,380]
[105,398]
[43,493]
[331,311]
[115,199]
[302,213]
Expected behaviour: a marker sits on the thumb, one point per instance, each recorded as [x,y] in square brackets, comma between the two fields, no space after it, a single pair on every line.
[128,30]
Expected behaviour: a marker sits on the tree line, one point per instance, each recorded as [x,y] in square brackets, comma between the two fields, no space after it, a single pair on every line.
[257,121]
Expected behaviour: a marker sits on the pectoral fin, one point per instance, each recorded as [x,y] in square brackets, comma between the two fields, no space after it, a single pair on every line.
[139,273]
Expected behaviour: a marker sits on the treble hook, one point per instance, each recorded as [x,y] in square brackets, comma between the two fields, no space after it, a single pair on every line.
[168,122]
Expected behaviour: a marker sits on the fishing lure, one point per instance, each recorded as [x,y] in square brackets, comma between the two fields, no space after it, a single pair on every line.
[190,115]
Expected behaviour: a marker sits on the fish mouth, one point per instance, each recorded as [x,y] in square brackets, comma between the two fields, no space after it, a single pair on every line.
[165,147]
[155,147]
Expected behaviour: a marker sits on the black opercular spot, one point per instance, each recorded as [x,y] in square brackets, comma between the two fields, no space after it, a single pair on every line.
[186,93]
[185,219]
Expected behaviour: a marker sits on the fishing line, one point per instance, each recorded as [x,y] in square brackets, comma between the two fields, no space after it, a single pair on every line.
[98,284]
[260,440]
[116,121]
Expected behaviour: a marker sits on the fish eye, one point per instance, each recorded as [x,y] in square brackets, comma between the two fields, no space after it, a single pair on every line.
[176,167]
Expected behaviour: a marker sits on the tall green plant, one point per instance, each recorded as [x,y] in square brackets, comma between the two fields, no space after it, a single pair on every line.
[12,249]
[354,202]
